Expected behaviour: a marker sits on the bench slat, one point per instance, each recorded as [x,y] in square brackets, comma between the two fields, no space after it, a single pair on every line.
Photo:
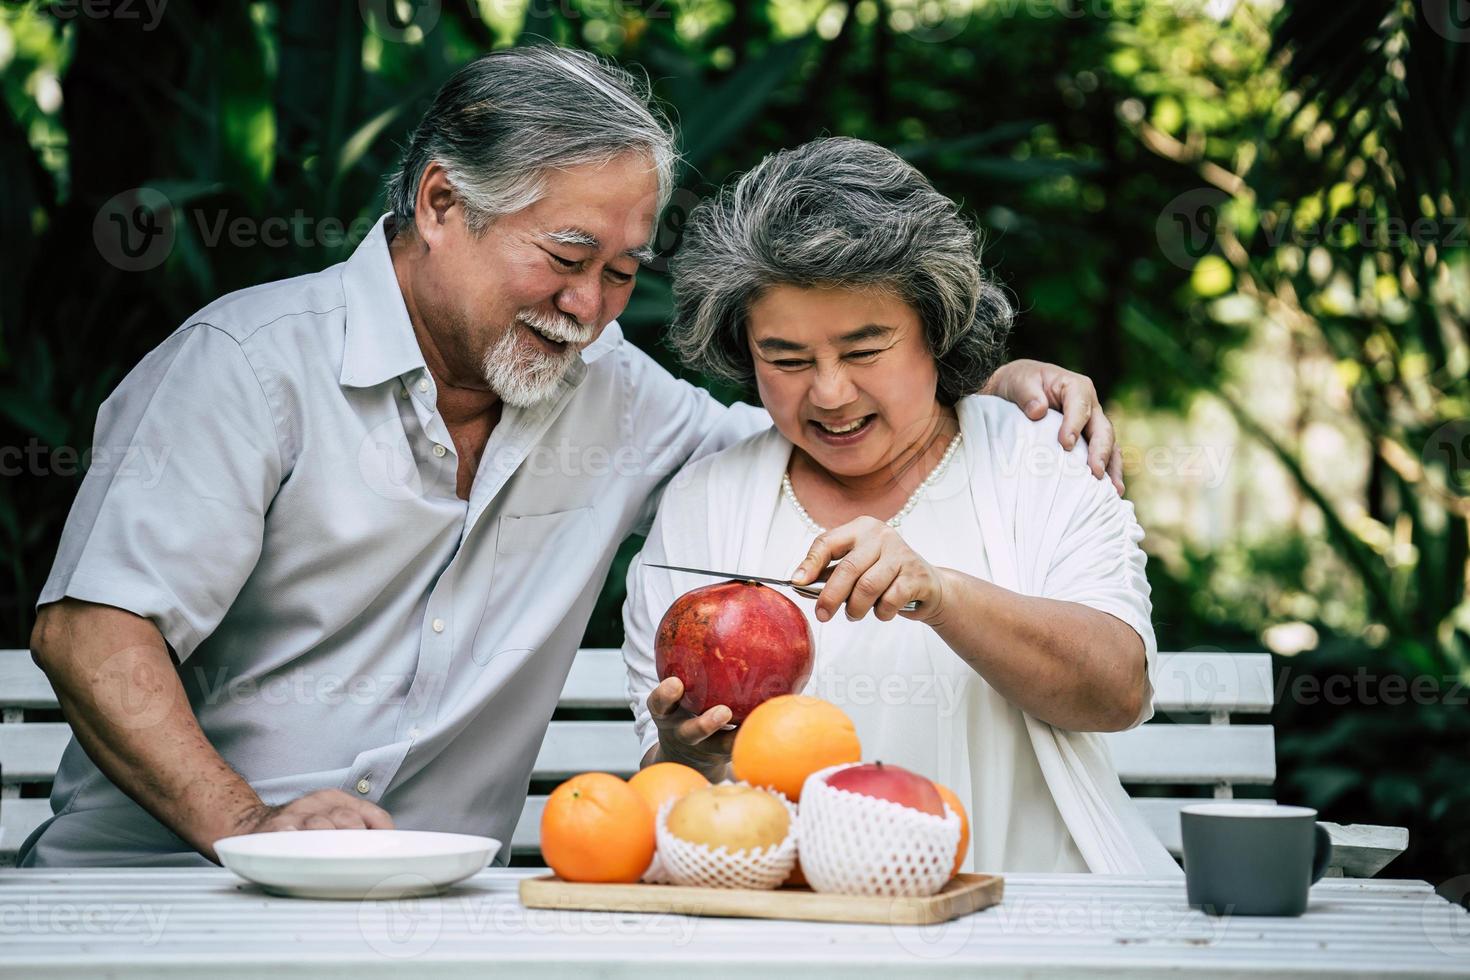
[571,747]
[1358,850]
[597,679]
[1195,754]
[17,819]
[1238,683]
[22,683]
[31,753]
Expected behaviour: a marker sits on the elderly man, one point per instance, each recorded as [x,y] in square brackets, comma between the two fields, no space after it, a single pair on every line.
[393,490]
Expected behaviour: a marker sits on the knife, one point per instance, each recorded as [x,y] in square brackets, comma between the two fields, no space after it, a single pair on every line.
[810,591]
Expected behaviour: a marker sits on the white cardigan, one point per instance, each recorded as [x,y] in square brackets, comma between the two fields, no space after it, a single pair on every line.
[1050,529]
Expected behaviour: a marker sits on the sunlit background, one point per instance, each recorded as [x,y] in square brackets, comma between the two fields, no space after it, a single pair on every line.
[1246,221]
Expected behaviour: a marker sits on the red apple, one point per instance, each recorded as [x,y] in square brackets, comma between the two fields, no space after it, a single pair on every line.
[734,643]
[890,783]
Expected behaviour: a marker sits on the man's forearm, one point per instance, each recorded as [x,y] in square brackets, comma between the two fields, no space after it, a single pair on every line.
[122,696]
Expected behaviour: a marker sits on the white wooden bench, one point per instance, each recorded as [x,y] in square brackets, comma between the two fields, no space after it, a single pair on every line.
[1190,743]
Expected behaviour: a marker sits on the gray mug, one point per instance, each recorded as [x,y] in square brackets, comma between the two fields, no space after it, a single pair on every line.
[1252,858]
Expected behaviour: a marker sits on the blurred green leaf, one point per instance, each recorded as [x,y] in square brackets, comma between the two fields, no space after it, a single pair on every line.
[725,110]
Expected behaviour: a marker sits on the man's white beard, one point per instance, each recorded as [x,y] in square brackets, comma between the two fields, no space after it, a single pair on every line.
[520,372]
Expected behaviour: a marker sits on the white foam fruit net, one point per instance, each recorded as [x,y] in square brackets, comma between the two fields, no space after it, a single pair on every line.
[656,874]
[854,844]
[683,862]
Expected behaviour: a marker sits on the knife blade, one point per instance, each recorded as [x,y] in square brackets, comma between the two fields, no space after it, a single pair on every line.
[810,591]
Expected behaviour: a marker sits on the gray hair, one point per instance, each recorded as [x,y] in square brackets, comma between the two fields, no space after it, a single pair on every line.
[836,212]
[501,121]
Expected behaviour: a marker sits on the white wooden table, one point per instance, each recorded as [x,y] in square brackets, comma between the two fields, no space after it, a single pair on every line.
[162,922]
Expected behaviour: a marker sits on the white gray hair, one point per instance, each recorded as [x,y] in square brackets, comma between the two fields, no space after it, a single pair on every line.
[501,121]
[836,212]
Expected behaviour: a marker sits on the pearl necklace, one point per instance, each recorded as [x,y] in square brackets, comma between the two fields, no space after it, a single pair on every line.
[904,511]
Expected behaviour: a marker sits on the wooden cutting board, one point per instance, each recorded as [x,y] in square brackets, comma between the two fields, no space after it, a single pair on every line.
[964,894]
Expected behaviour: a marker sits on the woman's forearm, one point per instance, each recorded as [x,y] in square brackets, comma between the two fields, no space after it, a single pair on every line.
[1062,662]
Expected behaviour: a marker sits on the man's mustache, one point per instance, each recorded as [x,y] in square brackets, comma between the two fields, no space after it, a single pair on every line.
[561,328]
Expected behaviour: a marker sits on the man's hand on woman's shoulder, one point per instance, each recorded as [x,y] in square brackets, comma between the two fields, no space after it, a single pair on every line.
[1037,386]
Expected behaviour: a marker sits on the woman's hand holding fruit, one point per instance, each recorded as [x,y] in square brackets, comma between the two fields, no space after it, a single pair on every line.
[696,741]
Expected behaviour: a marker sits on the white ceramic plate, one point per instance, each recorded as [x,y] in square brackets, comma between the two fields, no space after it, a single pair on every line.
[373,864]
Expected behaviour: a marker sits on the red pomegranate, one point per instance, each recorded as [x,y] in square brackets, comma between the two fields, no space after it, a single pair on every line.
[733,643]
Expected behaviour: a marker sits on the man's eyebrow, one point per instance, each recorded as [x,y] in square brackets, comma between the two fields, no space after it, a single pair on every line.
[574,236]
[579,238]
[779,344]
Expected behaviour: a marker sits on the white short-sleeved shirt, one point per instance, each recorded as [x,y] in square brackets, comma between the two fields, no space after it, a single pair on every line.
[340,617]
[916,704]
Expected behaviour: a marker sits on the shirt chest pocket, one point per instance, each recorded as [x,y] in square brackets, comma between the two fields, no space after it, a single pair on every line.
[519,535]
[543,562]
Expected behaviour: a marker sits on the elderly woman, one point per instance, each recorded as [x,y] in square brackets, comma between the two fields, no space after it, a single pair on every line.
[851,292]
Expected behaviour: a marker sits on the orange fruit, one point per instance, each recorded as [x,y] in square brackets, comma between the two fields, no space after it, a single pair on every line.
[664,781]
[954,802]
[788,738]
[597,828]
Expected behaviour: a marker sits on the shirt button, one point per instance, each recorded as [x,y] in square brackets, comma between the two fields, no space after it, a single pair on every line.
[439,450]
[423,384]
[364,787]
[438,625]
[403,392]
[414,733]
